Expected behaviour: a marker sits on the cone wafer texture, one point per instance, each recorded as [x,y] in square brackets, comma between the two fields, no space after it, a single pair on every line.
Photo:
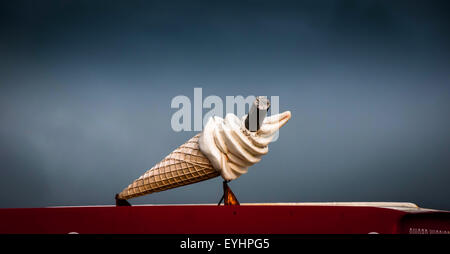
[186,165]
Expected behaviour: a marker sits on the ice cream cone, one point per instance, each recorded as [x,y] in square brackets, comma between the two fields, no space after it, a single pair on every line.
[186,165]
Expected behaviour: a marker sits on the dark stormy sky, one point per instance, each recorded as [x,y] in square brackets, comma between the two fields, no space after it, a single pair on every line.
[86,86]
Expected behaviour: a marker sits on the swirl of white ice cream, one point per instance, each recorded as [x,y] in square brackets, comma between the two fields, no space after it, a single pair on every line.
[231,148]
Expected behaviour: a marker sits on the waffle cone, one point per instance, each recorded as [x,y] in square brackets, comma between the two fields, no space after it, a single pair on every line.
[185,165]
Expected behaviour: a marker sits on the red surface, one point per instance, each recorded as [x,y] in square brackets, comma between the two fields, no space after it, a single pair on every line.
[209,219]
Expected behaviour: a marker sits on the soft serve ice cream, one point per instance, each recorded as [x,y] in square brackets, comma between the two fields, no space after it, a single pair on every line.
[231,148]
